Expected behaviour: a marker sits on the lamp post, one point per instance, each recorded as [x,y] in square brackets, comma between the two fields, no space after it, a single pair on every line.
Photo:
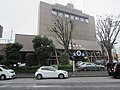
[73,59]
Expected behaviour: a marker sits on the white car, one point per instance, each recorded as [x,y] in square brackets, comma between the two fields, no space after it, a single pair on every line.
[50,72]
[6,73]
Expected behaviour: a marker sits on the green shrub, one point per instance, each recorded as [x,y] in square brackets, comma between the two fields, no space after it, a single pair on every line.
[32,69]
[64,59]
[30,60]
[65,67]
[26,69]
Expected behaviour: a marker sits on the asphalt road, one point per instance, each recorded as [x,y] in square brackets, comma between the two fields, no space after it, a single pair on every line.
[78,83]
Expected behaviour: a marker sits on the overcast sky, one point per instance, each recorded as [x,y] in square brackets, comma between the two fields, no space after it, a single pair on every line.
[22,15]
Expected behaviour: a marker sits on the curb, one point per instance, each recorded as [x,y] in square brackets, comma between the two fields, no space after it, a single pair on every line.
[70,76]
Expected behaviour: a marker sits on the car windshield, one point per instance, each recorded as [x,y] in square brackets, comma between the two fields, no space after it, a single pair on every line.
[5,67]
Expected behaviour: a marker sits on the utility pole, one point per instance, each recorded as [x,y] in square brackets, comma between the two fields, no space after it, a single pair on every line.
[73,59]
[11,34]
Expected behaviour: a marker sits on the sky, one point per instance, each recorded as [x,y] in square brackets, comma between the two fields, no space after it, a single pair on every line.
[21,16]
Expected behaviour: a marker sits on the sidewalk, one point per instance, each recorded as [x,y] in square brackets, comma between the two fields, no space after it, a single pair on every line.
[71,74]
[89,74]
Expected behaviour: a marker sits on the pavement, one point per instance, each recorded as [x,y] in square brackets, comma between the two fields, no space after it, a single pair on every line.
[71,74]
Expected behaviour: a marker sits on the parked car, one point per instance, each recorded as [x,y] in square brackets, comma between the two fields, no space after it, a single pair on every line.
[90,67]
[110,68]
[80,63]
[102,67]
[50,72]
[6,73]
[116,71]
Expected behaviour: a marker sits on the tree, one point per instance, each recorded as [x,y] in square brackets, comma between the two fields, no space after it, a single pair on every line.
[12,55]
[44,48]
[63,29]
[1,58]
[30,59]
[107,31]
[64,58]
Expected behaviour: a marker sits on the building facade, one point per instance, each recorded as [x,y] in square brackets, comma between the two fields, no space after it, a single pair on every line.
[84,36]
[84,41]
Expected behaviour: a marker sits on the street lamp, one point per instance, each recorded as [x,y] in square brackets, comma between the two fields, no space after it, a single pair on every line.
[73,59]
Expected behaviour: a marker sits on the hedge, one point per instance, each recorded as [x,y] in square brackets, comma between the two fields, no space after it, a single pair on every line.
[26,69]
[65,67]
[33,69]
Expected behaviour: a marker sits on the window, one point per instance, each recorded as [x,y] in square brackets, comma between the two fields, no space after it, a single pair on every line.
[66,16]
[0,69]
[50,69]
[88,64]
[54,13]
[86,20]
[82,19]
[77,18]
[72,17]
[5,67]
[60,14]
[44,68]
[118,66]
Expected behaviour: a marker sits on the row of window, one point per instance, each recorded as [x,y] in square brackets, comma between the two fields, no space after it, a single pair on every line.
[73,17]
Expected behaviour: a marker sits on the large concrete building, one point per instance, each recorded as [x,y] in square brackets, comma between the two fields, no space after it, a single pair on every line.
[84,36]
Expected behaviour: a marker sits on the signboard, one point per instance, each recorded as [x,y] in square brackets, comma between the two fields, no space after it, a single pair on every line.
[78,53]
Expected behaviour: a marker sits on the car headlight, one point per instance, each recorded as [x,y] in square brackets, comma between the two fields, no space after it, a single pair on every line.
[11,71]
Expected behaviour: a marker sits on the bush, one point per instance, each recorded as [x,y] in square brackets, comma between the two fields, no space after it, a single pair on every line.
[64,58]
[30,60]
[65,67]
[32,69]
[26,69]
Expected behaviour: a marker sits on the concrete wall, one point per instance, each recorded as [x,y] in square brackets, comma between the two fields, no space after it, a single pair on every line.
[26,41]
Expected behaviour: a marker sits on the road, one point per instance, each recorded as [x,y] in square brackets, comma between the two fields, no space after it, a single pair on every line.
[76,83]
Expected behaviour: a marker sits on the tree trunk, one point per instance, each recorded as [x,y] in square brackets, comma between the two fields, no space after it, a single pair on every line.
[66,49]
[110,55]
[103,52]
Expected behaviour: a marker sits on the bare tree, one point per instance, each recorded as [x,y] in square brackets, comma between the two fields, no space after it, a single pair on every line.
[63,28]
[108,29]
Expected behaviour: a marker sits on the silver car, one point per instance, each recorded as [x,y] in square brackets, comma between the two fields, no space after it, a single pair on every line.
[89,67]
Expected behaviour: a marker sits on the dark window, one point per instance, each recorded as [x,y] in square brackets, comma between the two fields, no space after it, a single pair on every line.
[0,69]
[118,66]
[44,68]
[5,67]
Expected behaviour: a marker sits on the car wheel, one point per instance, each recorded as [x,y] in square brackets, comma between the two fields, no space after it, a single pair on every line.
[85,69]
[115,76]
[61,76]
[2,77]
[39,76]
